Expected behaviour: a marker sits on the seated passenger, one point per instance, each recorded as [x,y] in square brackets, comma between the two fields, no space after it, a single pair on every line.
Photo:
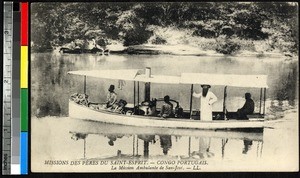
[118,106]
[167,108]
[248,108]
[111,97]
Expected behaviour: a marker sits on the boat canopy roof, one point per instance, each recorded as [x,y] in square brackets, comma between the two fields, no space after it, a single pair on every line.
[166,79]
[251,81]
[128,74]
[125,74]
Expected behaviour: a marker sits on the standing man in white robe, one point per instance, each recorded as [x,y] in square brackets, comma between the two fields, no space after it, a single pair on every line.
[207,98]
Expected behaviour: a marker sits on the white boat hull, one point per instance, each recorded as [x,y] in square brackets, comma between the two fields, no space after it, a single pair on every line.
[85,113]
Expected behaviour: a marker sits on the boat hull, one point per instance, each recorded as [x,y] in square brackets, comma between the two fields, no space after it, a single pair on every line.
[82,112]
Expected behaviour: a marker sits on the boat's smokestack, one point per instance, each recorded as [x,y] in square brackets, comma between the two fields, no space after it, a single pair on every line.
[148,72]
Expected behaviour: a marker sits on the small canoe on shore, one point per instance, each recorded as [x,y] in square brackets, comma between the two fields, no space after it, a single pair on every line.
[80,51]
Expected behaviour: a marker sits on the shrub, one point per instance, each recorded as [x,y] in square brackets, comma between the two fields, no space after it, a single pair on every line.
[158,40]
[204,33]
[137,36]
[227,46]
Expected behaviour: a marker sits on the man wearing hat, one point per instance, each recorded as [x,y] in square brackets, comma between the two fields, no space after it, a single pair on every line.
[207,98]
[111,96]
[248,107]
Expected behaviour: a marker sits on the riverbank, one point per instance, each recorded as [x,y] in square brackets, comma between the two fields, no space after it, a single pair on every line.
[186,50]
[202,47]
[276,109]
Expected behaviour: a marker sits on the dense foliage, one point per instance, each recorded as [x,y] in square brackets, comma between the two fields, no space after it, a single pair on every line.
[55,24]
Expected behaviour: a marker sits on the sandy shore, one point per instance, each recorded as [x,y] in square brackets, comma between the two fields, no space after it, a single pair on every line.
[187,50]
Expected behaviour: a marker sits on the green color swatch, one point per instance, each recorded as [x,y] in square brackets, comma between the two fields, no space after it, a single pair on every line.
[24,109]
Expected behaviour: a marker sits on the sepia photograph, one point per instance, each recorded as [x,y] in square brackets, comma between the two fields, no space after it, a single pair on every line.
[164,87]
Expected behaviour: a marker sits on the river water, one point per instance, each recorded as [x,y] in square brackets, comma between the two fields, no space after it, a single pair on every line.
[55,136]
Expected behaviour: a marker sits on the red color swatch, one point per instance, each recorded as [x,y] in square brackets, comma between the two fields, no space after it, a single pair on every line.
[24,23]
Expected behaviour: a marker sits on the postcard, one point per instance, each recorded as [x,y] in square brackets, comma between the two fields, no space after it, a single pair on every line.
[164,87]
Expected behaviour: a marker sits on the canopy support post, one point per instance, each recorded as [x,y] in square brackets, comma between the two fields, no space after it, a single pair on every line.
[260,100]
[134,97]
[264,109]
[138,96]
[84,84]
[224,103]
[191,101]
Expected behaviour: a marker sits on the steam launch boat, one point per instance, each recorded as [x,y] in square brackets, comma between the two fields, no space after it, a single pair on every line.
[145,113]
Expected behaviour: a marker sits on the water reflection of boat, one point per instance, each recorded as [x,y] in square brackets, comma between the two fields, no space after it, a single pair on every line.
[247,145]
[165,143]
[185,119]
[113,138]
[92,127]
[204,149]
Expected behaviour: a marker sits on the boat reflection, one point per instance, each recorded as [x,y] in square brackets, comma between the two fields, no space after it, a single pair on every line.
[113,138]
[204,149]
[79,136]
[247,145]
[165,143]
[125,142]
[146,139]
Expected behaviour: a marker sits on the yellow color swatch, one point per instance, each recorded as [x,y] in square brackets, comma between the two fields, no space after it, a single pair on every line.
[24,67]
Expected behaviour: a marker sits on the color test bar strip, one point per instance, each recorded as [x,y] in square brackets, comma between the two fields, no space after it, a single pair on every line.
[15,95]
[7,86]
[24,88]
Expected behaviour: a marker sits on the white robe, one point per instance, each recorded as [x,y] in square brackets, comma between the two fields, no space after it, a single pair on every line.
[206,105]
